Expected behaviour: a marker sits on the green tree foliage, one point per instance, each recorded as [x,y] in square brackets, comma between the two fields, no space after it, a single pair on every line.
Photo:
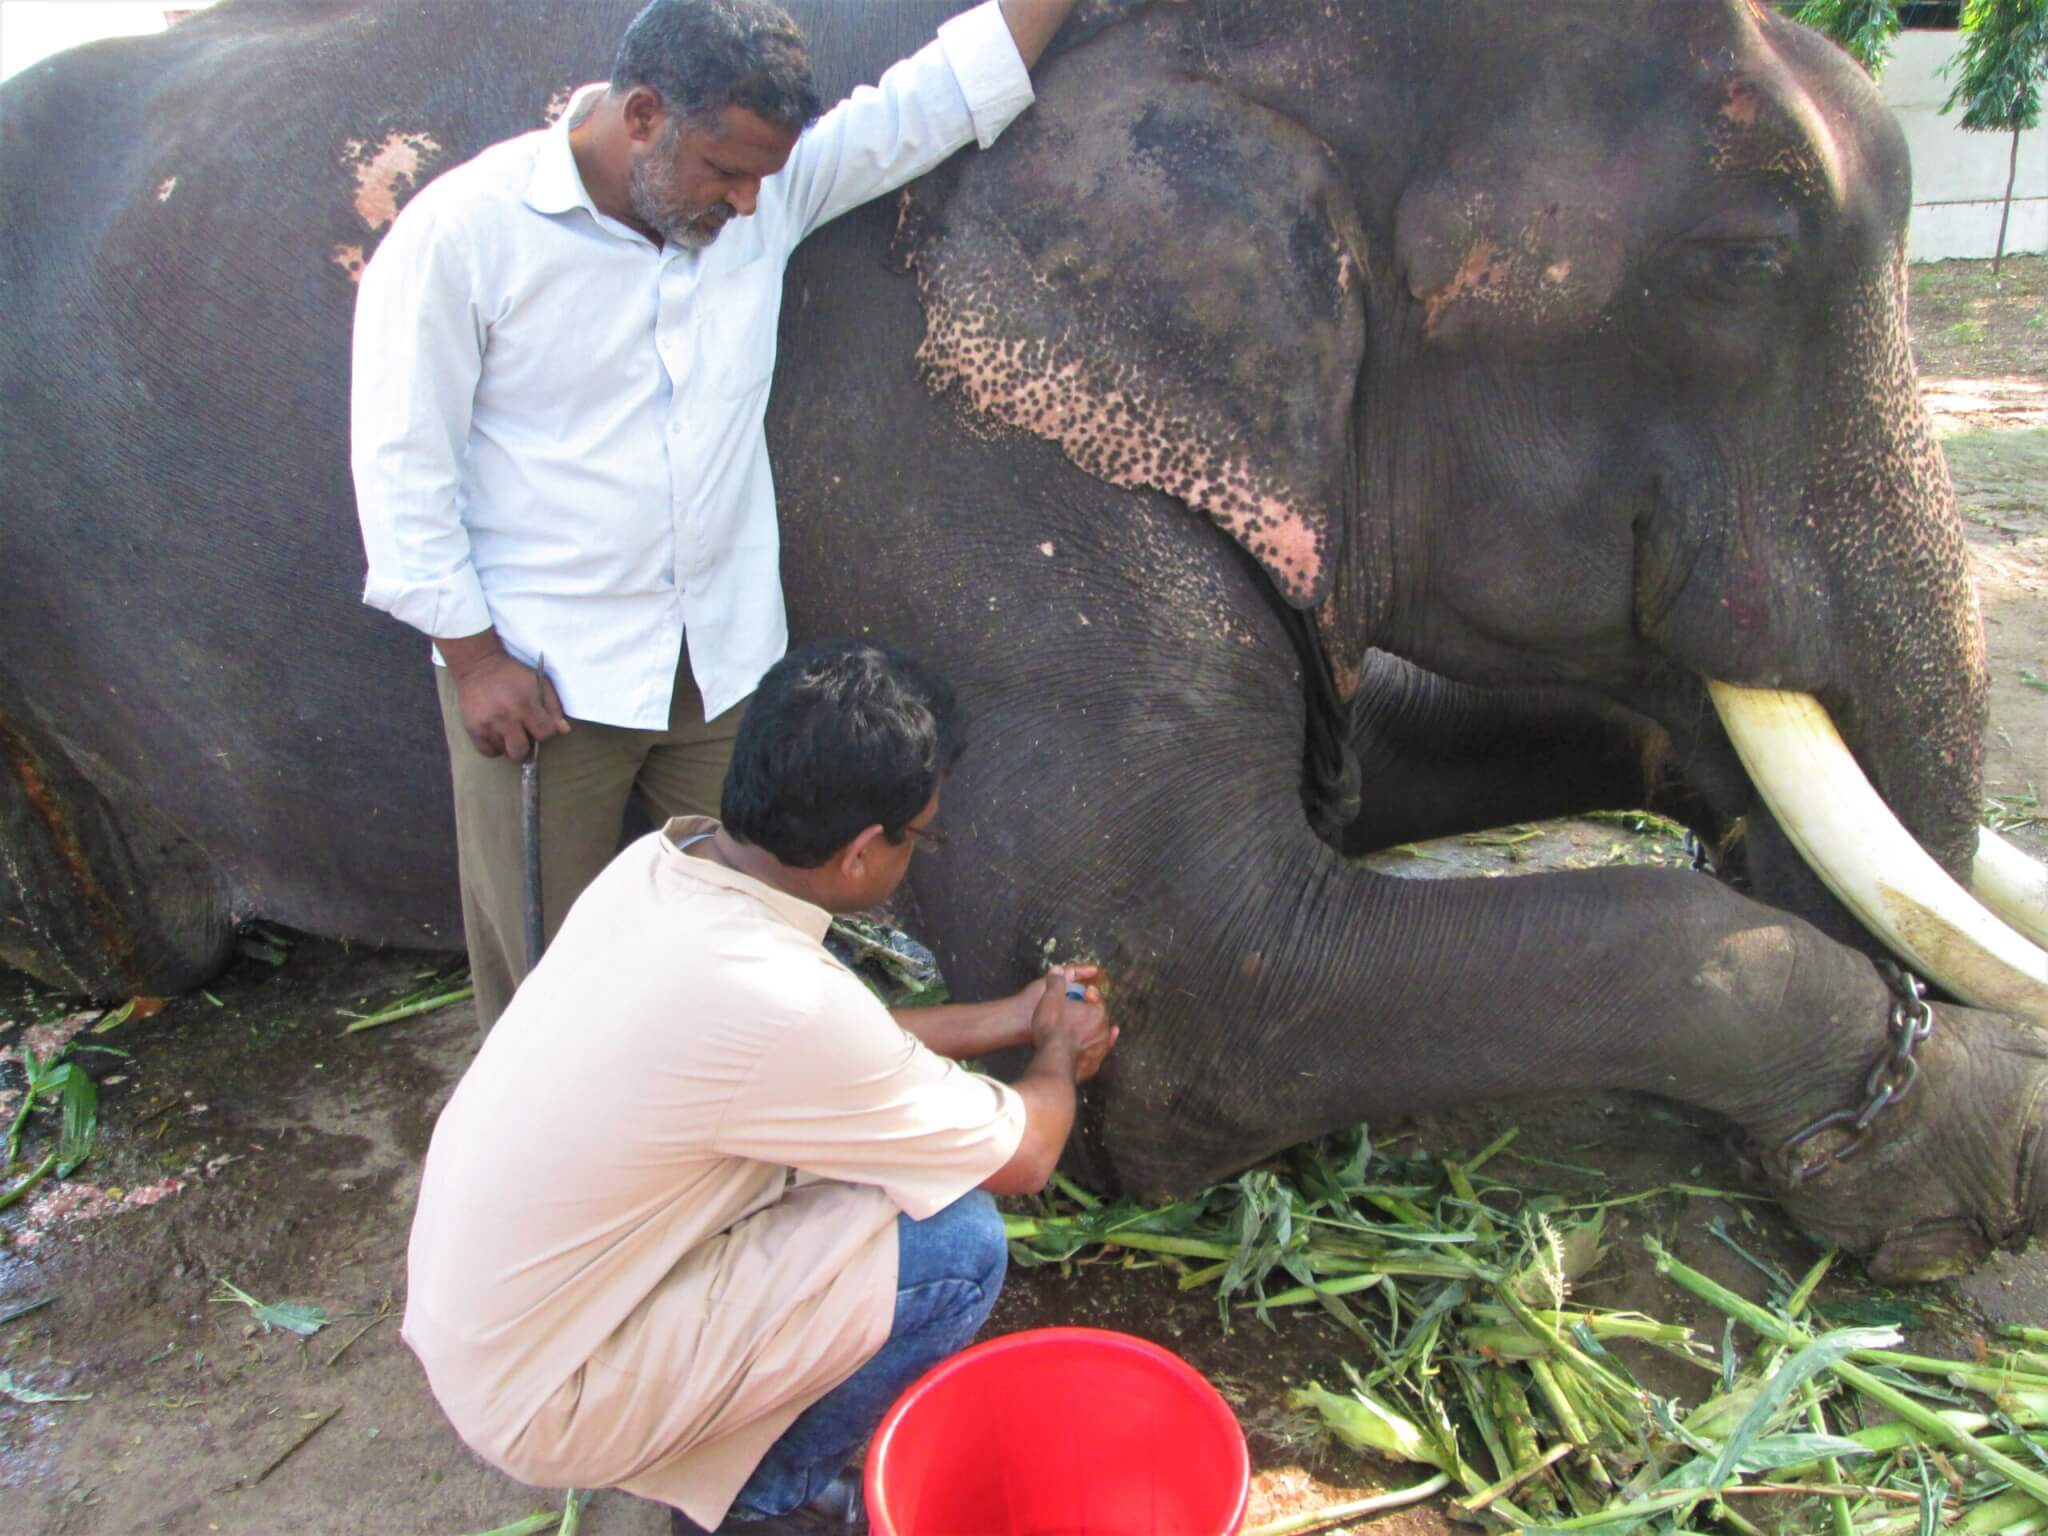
[2003,61]
[1998,74]
[1864,27]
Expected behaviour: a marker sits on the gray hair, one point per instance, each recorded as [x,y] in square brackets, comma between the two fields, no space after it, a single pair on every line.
[701,55]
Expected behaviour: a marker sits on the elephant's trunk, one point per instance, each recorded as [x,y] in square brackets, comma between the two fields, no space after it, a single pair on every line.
[1914,698]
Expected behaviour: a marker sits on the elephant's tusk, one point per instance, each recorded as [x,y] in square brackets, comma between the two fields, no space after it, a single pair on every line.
[1805,772]
[2011,884]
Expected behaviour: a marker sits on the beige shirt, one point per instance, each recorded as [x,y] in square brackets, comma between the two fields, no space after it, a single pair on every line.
[657,1219]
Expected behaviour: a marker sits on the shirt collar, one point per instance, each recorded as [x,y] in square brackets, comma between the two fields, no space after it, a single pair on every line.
[801,915]
[556,185]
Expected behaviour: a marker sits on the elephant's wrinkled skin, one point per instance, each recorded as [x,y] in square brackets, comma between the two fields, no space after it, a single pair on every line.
[1555,350]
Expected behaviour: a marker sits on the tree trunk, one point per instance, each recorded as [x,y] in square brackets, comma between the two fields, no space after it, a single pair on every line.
[2011,169]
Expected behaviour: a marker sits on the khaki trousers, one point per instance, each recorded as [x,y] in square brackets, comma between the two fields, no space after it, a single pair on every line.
[586,779]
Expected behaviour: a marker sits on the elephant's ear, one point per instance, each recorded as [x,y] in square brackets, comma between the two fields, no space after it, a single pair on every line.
[1164,279]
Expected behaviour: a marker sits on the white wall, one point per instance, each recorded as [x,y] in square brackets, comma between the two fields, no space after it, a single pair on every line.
[1958,177]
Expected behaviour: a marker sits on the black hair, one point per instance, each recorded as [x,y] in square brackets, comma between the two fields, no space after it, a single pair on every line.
[841,736]
[701,55]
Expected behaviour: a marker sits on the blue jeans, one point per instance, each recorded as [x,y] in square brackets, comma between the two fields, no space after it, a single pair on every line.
[949,1268]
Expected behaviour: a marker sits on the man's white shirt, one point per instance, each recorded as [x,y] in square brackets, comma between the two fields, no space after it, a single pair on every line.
[557,429]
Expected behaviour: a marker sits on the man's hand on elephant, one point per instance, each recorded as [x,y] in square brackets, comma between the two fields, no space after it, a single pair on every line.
[506,705]
[1081,1024]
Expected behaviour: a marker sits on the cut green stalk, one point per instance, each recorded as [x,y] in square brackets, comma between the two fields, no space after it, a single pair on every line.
[1728,1517]
[1514,1479]
[8,1197]
[1331,1514]
[1476,1398]
[1996,1516]
[1907,1408]
[1577,1358]
[1196,1278]
[1568,1420]
[1074,1192]
[1345,1285]
[1796,1302]
[1492,1149]
[1838,1506]
[410,1010]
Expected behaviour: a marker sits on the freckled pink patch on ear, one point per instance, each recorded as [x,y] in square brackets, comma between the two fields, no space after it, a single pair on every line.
[382,173]
[1115,424]
[350,259]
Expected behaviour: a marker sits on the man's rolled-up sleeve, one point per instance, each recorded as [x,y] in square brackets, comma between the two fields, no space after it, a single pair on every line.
[964,87]
[417,356]
[856,1098]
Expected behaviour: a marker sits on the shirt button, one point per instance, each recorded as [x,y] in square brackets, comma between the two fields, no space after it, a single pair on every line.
[674,427]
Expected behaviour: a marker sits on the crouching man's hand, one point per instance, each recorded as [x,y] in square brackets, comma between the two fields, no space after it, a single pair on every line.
[1070,1037]
[1079,1024]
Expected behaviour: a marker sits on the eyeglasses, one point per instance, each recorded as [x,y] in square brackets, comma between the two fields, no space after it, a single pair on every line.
[931,838]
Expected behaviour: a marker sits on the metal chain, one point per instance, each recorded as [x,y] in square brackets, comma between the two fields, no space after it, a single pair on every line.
[1891,1077]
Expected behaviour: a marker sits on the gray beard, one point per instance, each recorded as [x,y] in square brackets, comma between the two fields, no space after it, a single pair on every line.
[649,186]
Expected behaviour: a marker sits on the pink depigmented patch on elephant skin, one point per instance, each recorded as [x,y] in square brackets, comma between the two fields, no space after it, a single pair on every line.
[351,260]
[382,173]
[557,104]
[1106,419]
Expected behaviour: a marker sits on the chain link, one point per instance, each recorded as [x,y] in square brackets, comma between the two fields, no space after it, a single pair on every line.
[1891,1077]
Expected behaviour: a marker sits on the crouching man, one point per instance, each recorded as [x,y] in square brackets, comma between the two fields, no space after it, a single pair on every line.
[701,1207]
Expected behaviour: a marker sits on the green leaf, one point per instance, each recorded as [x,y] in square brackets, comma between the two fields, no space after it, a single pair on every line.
[21,1394]
[1767,1454]
[116,1019]
[81,1103]
[300,1317]
[1773,1398]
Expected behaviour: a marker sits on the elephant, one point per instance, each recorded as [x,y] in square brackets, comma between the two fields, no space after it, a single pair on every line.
[1316,425]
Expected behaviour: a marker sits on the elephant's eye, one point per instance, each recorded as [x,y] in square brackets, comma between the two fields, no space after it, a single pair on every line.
[1727,266]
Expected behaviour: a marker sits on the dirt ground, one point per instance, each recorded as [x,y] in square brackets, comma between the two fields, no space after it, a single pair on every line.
[247,1140]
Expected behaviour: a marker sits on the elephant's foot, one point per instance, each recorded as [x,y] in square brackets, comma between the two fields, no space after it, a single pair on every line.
[97,897]
[1955,1169]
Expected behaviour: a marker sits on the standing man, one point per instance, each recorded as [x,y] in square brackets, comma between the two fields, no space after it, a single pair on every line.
[561,367]
[700,1208]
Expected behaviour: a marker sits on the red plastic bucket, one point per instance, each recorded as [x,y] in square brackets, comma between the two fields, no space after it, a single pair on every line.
[1059,1432]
